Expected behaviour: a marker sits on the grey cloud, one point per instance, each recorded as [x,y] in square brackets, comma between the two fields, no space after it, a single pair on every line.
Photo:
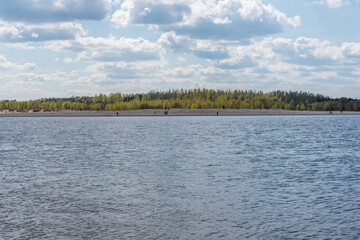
[176,43]
[236,20]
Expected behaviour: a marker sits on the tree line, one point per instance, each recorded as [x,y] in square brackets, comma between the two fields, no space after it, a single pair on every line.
[189,99]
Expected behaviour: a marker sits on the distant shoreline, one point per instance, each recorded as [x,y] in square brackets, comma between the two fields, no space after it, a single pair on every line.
[176,112]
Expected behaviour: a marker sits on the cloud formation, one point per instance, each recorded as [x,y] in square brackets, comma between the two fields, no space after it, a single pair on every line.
[53,11]
[232,54]
[332,3]
[20,32]
[14,78]
[200,48]
[271,63]
[43,20]
[226,19]
[300,52]
[8,66]
[189,43]
[109,49]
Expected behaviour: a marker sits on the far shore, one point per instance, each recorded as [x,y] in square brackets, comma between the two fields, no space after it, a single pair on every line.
[176,112]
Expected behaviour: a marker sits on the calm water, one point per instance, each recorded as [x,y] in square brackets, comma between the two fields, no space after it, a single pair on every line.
[180,178]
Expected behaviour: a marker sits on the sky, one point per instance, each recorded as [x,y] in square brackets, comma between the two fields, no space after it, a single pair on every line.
[63,48]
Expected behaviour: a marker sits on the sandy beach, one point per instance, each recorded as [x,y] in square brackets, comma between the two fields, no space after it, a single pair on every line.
[175,112]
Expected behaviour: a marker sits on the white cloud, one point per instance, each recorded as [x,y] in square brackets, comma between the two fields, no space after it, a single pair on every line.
[318,49]
[335,3]
[351,49]
[183,72]
[8,66]
[27,85]
[22,32]
[109,49]
[125,70]
[332,3]
[43,20]
[225,19]
[68,60]
[150,12]
[16,79]
[233,54]
[181,59]
[306,64]
[20,45]
[53,11]
[210,49]
[273,63]
[303,51]
[270,63]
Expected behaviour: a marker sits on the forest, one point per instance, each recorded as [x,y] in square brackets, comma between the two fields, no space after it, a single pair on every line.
[189,99]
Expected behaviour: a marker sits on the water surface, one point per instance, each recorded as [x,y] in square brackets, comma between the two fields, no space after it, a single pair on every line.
[295,177]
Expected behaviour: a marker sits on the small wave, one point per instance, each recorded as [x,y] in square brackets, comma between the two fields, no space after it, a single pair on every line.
[7,147]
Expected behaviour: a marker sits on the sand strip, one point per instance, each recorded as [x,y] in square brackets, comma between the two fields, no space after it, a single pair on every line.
[176,112]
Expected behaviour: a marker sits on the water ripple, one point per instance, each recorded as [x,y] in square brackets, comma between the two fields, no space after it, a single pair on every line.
[180,178]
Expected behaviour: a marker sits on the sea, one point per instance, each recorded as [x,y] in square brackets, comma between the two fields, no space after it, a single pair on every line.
[256,177]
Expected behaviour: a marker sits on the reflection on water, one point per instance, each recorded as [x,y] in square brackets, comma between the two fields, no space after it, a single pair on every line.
[180,177]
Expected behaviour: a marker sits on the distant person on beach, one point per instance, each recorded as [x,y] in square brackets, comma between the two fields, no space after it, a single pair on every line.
[117,113]
[217,113]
